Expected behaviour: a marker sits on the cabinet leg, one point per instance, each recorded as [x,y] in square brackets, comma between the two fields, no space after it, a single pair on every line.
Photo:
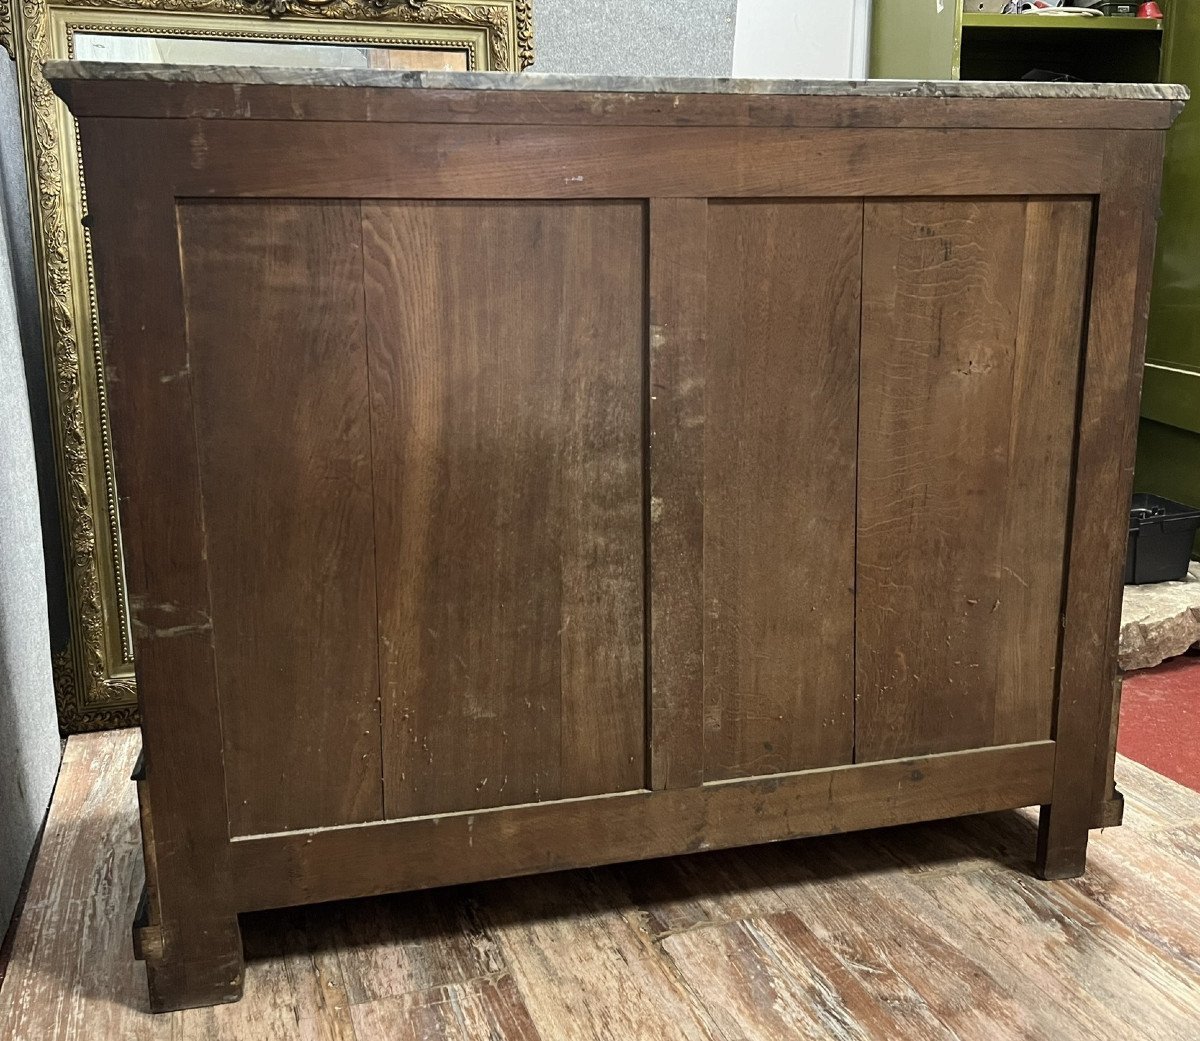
[196,963]
[1062,844]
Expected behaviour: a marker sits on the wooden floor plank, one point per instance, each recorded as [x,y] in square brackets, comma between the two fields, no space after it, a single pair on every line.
[1154,802]
[487,1008]
[681,893]
[1149,891]
[85,886]
[772,978]
[843,895]
[1091,976]
[390,947]
[584,970]
[935,931]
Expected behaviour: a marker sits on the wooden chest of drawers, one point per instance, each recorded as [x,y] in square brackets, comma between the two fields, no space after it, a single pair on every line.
[527,473]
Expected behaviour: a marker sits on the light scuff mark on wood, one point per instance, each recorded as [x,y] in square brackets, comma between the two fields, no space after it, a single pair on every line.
[148,622]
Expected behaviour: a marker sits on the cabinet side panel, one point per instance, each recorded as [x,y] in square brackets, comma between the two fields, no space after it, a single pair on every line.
[507,347]
[972,313]
[277,355]
[779,459]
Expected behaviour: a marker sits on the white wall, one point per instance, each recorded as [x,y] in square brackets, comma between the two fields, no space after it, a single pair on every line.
[29,743]
[802,39]
[634,37]
[776,39]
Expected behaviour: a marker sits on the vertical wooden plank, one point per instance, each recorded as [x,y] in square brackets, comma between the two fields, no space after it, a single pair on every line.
[1041,421]
[1116,342]
[134,231]
[1144,154]
[940,308]
[972,322]
[678,279]
[278,363]
[506,404]
[598,304]
[779,448]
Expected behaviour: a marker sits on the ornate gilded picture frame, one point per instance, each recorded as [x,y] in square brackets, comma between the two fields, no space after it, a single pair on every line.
[94,674]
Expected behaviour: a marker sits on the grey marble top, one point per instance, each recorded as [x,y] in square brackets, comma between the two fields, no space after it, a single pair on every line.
[88,70]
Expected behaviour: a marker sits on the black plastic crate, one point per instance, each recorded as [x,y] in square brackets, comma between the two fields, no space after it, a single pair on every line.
[1161,533]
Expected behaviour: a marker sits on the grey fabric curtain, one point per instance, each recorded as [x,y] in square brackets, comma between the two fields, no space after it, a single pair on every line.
[29,740]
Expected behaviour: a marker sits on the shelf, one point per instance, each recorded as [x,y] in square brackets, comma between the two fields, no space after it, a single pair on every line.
[1050,21]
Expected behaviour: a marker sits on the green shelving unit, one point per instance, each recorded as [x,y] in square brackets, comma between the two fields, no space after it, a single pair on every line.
[911,39]
[1168,461]
[1104,50]
[1072,23]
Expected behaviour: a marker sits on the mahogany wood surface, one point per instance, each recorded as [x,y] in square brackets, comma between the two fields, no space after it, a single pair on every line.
[507,497]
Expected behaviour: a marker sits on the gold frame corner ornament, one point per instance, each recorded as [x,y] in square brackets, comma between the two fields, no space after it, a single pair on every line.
[94,676]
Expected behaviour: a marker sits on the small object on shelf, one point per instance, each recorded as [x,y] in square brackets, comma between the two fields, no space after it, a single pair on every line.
[1150,10]
[1161,533]
[1048,7]
[1117,8]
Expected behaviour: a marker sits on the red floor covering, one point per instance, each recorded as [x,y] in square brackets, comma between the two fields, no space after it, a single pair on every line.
[1160,719]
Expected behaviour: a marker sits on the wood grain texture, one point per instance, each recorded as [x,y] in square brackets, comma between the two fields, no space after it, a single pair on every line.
[678,283]
[1107,433]
[1117,964]
[507,418]
[780,406]
[486,1008]
[1011,935]
[430,161]
[771,977]
[970,346]
[572,956]
[277,357]
[1054,270]
[922,932]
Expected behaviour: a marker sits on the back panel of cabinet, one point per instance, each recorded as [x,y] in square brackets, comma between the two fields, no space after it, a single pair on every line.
[420,432]
[278,369]
[780,395]
[972,328]
[507,345]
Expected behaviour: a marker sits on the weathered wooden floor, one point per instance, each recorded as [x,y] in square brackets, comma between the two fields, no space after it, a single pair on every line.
[927,932]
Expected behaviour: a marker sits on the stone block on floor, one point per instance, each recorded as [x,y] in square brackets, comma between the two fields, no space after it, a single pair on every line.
[1159,621]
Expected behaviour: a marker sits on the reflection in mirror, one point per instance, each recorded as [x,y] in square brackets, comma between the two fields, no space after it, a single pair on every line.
[175,50]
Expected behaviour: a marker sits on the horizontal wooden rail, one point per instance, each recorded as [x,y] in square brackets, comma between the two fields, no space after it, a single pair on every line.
[366,859]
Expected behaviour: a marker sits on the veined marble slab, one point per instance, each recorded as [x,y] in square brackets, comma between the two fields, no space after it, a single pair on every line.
[532,81]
